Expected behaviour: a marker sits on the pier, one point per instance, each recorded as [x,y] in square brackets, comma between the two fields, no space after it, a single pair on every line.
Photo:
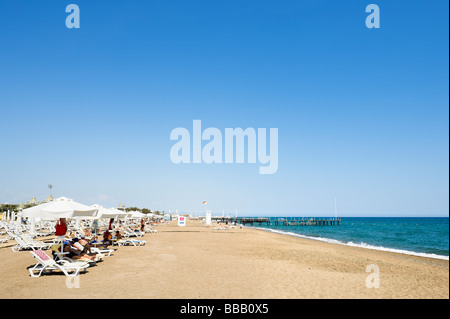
[280,221]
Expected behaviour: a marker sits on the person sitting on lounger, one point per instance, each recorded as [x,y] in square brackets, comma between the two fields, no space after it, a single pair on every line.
[75,253]
[118,235]
[85,244]
[107,238]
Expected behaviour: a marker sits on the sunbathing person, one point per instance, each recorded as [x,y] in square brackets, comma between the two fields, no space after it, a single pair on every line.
[85,244]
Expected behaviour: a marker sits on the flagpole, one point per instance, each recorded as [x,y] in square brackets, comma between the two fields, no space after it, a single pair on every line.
[335,208]
[206,206]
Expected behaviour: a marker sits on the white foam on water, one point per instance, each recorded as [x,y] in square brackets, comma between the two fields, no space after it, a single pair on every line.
[361,245]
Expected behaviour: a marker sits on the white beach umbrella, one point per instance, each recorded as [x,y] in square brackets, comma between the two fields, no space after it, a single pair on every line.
[137,214]
[34,212]
[62,207]
[59,208]
[103,212]
[67,208]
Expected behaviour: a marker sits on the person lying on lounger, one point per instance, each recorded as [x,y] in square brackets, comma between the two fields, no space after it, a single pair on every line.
[76,253]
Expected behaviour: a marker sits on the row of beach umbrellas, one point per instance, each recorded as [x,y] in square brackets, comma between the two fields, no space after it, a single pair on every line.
[64,207]
[67,208]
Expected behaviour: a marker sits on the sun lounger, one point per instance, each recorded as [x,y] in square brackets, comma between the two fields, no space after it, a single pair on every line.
[35,243]
[127,242]
[104,252]
[46,264]
[29,240]
[44,233]
[23,245]
[150,230]
[130,233]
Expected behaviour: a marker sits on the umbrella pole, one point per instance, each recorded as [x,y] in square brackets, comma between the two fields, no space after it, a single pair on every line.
[62,248]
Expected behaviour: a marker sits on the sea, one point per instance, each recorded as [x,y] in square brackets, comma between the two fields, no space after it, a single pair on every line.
[419,236]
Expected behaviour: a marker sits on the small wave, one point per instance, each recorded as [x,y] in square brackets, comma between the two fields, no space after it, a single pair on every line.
[361,245]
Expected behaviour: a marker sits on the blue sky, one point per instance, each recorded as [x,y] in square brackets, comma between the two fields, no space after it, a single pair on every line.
[362,113]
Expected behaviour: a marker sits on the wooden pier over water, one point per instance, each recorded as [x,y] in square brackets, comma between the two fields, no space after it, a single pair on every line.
[280,221]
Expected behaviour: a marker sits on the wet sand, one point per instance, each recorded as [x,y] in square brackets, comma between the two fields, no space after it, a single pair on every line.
[197,261]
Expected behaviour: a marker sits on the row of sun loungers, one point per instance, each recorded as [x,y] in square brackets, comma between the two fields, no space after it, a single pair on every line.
[46,264]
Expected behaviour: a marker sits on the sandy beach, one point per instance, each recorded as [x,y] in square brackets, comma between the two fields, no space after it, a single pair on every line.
[199,262]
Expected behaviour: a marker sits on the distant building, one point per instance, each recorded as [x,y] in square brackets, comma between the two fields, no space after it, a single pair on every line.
[32,202]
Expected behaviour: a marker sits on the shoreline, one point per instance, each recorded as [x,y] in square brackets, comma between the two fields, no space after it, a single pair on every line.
[199,262]
[351,244]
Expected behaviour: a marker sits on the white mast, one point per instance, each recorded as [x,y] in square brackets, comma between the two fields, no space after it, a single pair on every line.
[335,208]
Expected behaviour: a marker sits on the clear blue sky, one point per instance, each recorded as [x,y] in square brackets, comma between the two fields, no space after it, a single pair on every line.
[362,114]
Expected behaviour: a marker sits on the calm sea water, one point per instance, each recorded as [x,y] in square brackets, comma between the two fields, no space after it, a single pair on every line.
[422,236]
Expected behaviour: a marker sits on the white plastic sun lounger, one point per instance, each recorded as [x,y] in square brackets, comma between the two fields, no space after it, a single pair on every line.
[105,252]
[46,264]
[151,230]
[23,245]
[131,233]
[27,238]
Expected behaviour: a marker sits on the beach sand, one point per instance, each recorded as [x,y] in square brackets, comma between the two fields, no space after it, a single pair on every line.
[197,261]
